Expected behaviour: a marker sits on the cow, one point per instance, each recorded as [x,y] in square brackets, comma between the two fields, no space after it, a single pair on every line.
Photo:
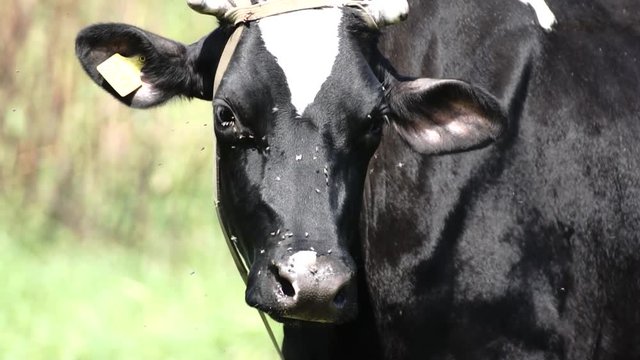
[437,179]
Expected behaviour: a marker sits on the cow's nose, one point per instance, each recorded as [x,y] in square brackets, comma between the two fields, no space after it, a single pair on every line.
[315,288]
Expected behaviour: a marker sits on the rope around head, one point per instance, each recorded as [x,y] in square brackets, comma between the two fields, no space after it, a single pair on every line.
[377,13]
[244,14]
[242,267]
[247,13]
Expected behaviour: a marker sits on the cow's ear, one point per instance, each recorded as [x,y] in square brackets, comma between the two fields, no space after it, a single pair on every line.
[444,116]
[169,69]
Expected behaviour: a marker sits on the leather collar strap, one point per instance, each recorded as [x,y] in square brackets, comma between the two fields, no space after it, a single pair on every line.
[242,267]
[225,58]
[243,14]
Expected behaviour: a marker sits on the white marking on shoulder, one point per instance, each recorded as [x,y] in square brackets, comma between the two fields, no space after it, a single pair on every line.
[305,44]
[546,18]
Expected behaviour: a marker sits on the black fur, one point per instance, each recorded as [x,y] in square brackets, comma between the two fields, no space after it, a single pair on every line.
[518,250]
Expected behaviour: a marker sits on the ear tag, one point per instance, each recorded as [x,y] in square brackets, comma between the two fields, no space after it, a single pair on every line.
[122,73]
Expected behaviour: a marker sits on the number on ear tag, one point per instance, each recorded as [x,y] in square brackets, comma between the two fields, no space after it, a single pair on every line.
[122,73]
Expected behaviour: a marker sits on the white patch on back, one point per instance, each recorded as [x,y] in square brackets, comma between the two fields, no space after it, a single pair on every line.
[305,44]
[546,18]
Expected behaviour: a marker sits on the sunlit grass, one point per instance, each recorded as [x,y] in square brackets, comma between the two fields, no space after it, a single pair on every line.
[75,301]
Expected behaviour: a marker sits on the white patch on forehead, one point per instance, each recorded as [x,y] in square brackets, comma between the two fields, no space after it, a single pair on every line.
[305,44]
[545,16]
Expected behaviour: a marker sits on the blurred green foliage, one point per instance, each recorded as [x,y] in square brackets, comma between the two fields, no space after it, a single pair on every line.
[109,247]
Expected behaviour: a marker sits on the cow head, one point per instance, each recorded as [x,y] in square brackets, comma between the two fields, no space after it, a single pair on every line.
[298,114]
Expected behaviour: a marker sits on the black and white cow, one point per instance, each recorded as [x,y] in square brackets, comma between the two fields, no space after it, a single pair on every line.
[371,228]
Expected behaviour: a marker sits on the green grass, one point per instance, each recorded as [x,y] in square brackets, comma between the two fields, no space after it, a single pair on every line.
[79,301]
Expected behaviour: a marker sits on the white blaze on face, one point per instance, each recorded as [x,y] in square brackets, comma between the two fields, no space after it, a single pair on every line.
[305,44]
[546,18]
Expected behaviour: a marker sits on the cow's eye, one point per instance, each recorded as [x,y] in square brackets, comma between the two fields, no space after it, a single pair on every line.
[229,128]
[225,118]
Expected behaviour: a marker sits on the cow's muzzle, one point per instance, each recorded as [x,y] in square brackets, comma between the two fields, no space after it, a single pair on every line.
[307,286]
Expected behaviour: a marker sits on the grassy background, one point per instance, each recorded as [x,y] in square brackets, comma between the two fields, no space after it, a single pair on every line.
[109,247]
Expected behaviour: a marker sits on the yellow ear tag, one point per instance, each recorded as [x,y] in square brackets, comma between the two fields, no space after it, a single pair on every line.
[122,73]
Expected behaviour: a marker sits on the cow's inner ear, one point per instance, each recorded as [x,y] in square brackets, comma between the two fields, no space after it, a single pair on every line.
[170,68]
[444,116]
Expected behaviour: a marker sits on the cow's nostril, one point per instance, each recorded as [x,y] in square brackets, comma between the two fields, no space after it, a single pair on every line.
[285,285]
[340,300]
